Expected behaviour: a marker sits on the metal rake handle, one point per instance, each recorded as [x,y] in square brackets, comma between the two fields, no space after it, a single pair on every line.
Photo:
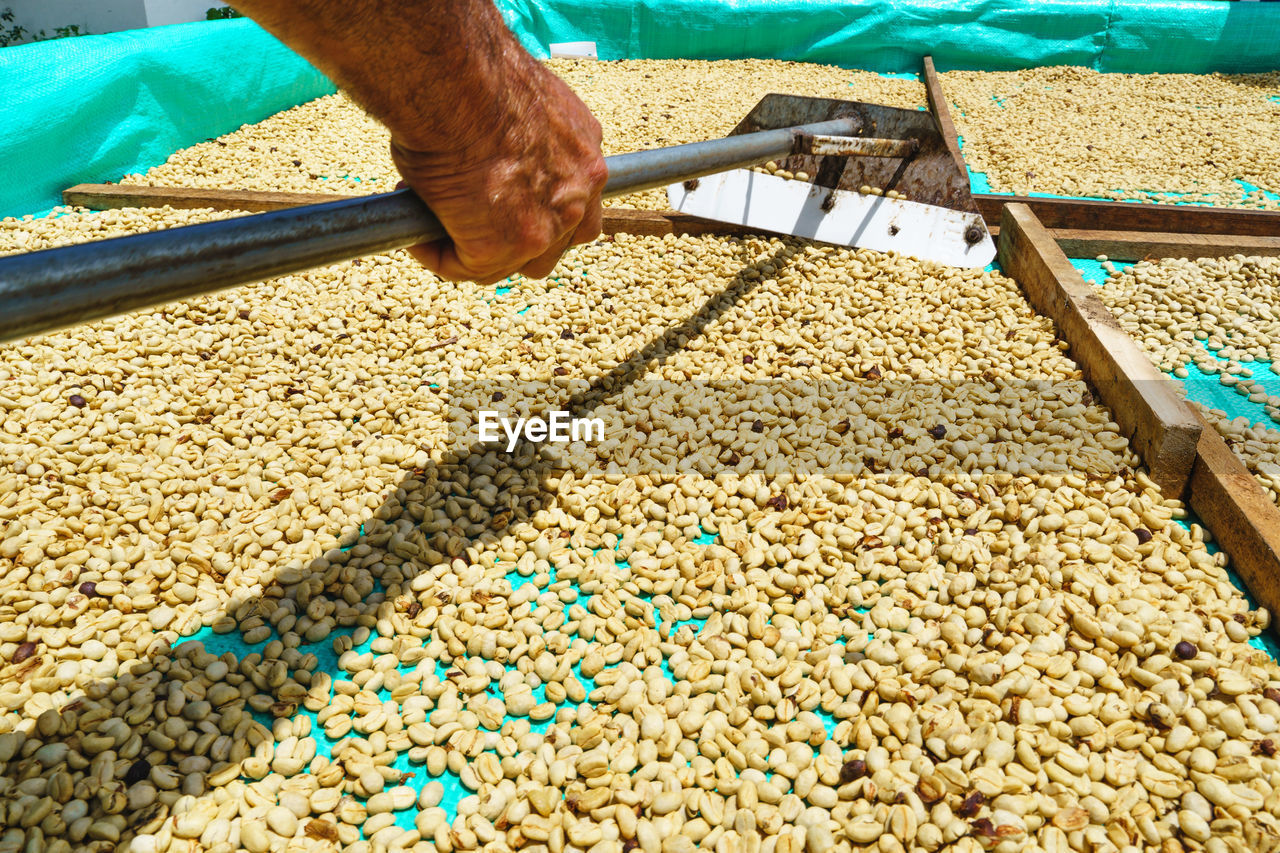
[56,288]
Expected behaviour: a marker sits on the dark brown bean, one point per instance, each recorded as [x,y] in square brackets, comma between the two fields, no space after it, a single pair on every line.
[321,830]
[973,801]
[852,770]
[983,828]
[137,771]
[24,651]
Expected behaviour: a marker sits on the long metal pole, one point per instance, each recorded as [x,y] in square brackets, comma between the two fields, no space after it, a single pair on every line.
[56,288]
[646,170]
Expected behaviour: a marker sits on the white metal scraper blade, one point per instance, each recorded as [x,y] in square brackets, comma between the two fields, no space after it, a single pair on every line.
[782,206]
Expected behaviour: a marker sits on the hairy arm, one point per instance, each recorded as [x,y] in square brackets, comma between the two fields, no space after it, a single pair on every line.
[501,150]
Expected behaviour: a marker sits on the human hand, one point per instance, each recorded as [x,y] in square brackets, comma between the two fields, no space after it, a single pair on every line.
[500,149]
[516,188]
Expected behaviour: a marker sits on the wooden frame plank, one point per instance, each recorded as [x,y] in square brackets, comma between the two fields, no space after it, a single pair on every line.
[1160,426]
[113,196]
[1141,245]
[942,112]
[1244,520]
[1075,243]
[625,220]
[617,220]
[1054,213]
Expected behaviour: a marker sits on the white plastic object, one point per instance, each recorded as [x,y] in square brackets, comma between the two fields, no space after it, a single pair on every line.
[574,50]
[769,203]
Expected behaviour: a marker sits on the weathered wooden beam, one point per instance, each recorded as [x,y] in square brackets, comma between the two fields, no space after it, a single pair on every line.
[1140,245]
[617,220]
[1059,213]
[624,220]
[1244,520]
[112,196]
[1075,243]
[942,113]
[1161,427]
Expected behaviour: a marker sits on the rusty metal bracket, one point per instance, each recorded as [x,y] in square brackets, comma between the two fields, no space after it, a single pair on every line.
[856,146]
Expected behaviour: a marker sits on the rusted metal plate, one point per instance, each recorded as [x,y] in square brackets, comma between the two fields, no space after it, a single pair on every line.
[857,146]
[929,177]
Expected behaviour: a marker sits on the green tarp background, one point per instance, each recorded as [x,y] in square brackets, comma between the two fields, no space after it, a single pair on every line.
[1141,36]
[97,107]
[94,108]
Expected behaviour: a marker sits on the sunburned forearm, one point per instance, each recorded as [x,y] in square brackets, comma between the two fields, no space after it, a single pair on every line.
[499,147]
[422,68]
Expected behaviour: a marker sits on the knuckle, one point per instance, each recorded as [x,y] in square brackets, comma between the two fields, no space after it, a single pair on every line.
[530,245]
[572,214]
[597,174]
